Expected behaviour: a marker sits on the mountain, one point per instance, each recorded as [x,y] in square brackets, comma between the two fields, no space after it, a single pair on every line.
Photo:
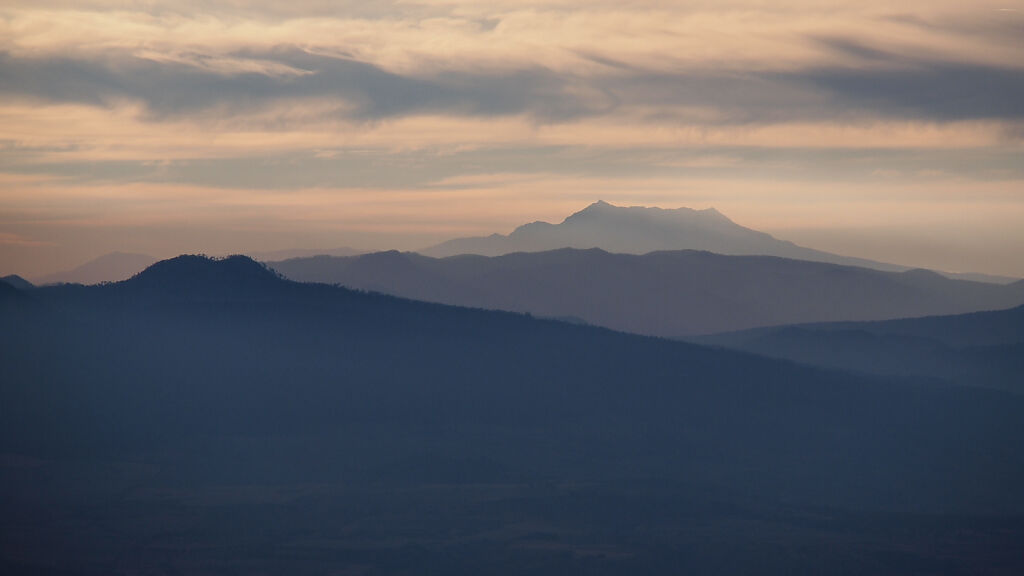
[303,253]
[12,298]
[111,267]
[233,278]
[979,349]
[18,282]
[976,277]
[640,229]
[9,294]
[207,416]
[670,294]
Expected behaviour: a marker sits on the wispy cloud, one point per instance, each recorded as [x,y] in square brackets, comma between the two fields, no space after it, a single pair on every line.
[552,62]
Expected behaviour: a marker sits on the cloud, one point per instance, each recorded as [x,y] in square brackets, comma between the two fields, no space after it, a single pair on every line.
[455,114]
[178,86]
[553,62]
[920,88]
[903,89]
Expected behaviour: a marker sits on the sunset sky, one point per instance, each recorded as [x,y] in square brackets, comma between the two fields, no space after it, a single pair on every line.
[892,131]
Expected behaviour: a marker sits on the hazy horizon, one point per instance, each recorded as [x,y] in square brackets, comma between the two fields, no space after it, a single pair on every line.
[893,134]
[884,245]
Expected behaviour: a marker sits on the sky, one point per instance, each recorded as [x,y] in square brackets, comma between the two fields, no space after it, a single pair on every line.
[892,131]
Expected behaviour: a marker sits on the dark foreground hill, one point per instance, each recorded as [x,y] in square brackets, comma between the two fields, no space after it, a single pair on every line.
[670,294]
[979,349]
[209,417]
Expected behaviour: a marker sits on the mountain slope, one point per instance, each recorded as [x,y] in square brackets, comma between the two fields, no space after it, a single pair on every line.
[161,424]
[231,278]
[979,349]
[18,282]
[111,267]
[9,294]
[668,294]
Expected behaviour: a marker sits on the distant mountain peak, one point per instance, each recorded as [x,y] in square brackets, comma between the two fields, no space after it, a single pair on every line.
[599,205]
[643,229]
[117,257]
[628,215]
[635,230]
[597,208]
[111,267]
[644,219]
[713,212]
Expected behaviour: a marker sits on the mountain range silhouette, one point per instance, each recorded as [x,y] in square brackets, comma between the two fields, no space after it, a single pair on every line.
[641,229]
[630,230]
[212,401]
[671,294]
[231,420]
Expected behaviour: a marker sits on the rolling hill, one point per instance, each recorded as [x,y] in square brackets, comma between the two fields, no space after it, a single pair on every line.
[978,349]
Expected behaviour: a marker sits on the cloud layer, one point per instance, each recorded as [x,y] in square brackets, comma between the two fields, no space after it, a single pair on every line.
[351,102]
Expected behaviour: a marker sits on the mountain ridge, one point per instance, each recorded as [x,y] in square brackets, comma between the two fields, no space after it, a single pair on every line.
[662,293]
[191,268]
[111,267]
[639,230]
[983,348]
[643,229]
